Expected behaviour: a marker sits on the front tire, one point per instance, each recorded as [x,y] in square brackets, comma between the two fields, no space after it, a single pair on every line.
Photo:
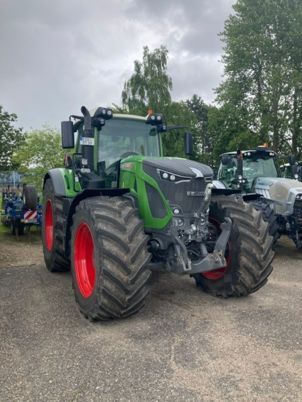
[249,252]
[269,216]
[109,258]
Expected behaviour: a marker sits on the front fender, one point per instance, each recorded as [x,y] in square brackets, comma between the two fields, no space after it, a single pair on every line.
[57,178]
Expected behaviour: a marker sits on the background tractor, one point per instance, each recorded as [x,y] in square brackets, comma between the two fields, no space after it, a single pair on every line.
[119,209]
[292,169]
[256,173]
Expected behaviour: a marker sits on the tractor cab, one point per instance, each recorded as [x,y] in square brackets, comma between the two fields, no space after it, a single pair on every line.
[292,169]
[242,168]
[124,136]
[104,140]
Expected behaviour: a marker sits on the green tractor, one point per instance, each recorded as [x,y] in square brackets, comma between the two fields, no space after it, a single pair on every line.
[256,174]
[118,209]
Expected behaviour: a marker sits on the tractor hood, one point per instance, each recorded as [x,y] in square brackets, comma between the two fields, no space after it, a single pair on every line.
[282,190]
[180,167]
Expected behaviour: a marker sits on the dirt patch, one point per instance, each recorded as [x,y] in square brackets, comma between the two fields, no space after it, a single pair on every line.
[22,250]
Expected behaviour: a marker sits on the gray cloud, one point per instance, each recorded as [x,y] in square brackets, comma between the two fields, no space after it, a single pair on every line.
[56,56]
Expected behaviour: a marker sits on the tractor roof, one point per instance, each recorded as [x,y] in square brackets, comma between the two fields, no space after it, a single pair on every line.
[121,115]
[249,152]
[128,116]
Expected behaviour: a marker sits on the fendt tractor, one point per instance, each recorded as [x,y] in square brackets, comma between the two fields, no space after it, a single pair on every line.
[119,209]
[257,172]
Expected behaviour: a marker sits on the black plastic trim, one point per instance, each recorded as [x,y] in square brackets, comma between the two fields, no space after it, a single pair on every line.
[57,180]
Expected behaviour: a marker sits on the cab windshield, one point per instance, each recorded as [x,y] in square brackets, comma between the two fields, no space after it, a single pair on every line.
[253,167]
[122,137]
[258,167]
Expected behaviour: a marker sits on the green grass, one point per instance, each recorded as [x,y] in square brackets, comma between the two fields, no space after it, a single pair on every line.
[3,229]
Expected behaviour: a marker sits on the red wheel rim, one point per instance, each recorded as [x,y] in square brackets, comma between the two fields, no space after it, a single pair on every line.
[48,226]
[83,260]
[220,272]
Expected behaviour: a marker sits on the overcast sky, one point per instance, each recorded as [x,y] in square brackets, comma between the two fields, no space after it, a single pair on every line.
[58,55]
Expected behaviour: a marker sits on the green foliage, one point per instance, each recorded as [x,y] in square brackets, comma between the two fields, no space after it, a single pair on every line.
[10,138]
[262,91]
[150,85]
[40,152]
[178,113]
[228,131]
[204,142]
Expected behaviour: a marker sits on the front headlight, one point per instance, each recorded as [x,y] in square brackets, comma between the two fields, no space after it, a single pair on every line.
[171,176]
[299,197]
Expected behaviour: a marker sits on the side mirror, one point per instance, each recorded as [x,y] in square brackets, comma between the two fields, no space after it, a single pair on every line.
[188,142]
[67,134]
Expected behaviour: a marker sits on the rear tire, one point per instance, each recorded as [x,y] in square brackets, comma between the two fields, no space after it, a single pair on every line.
[109,258]
[249,253]
[53,231]
[30,197]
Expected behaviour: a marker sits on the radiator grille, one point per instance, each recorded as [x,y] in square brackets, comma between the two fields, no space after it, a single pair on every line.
[189,195]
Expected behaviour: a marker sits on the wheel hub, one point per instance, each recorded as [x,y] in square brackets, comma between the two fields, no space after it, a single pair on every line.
[49,226]
[83,260]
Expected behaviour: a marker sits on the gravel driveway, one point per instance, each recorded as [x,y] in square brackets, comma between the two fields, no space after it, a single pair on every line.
[185,345]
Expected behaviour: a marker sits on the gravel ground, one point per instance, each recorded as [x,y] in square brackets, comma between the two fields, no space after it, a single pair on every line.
[185,345]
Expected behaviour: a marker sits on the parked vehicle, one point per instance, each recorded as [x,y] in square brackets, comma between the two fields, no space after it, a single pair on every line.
[256,174]
[21,211]
[119,209]
[292,169]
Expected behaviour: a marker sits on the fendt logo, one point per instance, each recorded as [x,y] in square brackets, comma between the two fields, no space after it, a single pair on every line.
[197,172]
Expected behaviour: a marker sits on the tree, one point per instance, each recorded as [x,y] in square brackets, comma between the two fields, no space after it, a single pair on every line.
[203,141]
[150,85]
[40,152]
[10,138]
[227,132]
[263,72]
[178,113]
